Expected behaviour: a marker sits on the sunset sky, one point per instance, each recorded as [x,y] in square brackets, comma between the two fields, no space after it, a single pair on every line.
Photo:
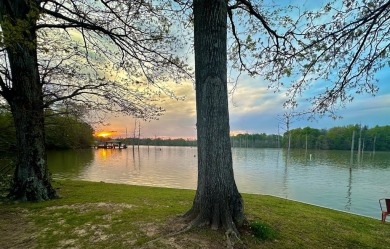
[254,109]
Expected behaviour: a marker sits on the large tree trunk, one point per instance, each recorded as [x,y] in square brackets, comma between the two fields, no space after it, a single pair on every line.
[217,201]
[31,179]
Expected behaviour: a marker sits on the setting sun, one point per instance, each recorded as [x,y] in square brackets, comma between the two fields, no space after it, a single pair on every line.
[103,134]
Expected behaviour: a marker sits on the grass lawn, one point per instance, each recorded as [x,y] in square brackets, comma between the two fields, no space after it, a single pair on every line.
[103,215]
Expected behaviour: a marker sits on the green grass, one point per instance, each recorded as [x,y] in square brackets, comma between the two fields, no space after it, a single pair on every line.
[262,231]
[102,215]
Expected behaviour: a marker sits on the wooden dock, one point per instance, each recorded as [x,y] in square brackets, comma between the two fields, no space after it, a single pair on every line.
[112,144]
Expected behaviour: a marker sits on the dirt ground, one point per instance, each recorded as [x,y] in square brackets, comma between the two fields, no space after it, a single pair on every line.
[15,231]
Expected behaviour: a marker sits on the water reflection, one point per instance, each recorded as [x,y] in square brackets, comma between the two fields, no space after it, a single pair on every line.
[328,179]
[349,191]
[69,164]
[285,175]
[165,166]
[325,178]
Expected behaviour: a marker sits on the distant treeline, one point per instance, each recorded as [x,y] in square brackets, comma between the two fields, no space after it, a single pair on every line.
[256,141]
[159,142]
[340,138]
[62,132]
[69,132]
[336,138]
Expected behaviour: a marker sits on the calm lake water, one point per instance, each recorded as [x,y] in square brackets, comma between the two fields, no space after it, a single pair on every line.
[324,178]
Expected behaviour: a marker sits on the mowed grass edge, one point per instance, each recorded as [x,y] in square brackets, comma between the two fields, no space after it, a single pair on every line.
[105,215]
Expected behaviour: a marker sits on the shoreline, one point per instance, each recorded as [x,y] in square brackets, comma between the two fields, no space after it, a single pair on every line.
[110,215]
[193,189]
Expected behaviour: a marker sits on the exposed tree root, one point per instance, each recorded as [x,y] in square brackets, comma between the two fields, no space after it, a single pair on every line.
[227,213]
[32,189]
[230,235]
[226,222]
[219,219]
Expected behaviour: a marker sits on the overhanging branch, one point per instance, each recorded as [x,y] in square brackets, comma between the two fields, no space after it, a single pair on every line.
[252,11]
[77,92]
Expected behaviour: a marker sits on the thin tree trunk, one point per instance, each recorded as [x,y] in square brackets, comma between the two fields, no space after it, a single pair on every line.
[360,144]
[217,202]
[352,145]
[306,143]
[135,129]
[31,178]
[139,133]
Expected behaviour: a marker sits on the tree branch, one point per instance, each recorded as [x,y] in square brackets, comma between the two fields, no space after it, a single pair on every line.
[230,14]
[251,10]
[76,92]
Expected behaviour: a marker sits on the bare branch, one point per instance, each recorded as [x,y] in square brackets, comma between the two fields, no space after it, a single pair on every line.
[251,10]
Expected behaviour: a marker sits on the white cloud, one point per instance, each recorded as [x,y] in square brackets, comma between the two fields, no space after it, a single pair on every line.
[252,96]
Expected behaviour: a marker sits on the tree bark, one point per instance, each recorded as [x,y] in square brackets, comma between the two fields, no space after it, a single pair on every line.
[31,179]
[217,201]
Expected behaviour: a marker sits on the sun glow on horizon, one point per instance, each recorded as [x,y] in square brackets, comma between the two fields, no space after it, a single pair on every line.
[103,134]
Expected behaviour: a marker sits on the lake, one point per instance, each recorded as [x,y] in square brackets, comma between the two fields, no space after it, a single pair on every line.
[324,178]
